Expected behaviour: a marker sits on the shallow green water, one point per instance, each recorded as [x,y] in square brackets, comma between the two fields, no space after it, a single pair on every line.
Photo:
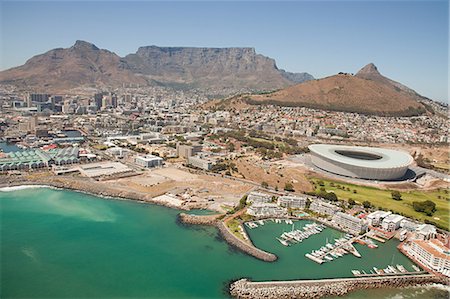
[66,244]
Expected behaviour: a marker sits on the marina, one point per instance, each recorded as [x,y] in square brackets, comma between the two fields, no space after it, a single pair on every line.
[389,270]
[111,235]
[330,252]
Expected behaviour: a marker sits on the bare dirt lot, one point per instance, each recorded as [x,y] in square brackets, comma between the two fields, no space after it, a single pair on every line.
[275,174]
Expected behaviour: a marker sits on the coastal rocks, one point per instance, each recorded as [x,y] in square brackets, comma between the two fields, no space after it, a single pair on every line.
[244,246]
[198,219]
[326,287]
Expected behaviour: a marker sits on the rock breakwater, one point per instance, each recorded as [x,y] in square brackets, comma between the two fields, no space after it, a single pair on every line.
[325,287]
[243,245]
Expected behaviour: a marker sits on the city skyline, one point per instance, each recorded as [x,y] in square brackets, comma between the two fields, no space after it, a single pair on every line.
[408,41]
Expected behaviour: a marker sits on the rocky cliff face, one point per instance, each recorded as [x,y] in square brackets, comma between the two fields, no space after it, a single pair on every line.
[370,72]
[208,67]
[84,64]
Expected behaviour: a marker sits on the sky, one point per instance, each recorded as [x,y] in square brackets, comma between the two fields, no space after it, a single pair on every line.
[407,40]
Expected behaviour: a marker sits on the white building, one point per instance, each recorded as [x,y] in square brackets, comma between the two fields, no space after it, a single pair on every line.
[425,232]
[294,202]
[149,161]
[258,197]
[350,223]
[409,225]
[391,222]
[322,207]
[199,162]
[432,254]
[266,210]
[375,218]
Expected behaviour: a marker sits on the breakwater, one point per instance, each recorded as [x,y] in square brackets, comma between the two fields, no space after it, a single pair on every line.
[324,287]
[198,219]
[246,247]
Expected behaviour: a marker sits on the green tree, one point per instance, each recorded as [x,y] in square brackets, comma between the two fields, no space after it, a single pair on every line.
[396,195]
[264,184]
[289,187]
[366,204]
[427,207]
[351,202]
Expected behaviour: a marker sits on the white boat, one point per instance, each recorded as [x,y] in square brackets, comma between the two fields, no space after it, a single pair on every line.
[328,257]
[283,242]
[416,268]
[401,268]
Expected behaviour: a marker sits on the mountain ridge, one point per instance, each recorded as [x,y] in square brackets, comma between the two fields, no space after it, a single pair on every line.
[367,92]
[84,64]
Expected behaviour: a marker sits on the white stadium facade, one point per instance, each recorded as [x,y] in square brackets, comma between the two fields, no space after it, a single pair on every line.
[361,162]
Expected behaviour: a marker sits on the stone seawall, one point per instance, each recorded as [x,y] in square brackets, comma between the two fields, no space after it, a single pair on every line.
[198,219]
[325,287]
[244,246]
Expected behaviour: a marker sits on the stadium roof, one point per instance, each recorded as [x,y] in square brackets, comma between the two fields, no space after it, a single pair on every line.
[362,156]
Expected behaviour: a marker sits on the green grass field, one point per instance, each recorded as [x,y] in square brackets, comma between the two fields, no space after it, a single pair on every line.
[382,199]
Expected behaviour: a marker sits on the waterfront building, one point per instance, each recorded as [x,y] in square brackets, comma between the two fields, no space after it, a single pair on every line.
[149,161]
[409,225]
[266,210]
[432,254]
[425,232]
[37,158]
[258,197]
[95,170]
[350,223]
[200,162]
[322,207]
[294,202]
[391,222]
[376,218]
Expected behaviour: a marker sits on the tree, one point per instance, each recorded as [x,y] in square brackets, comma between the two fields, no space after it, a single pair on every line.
[331,196]
[351,202]
[396,195]
[264,184]
[366,204]
[289,187]
[231,147]
[427,207]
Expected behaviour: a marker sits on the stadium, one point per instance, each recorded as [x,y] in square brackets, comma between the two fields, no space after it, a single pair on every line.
[361,162]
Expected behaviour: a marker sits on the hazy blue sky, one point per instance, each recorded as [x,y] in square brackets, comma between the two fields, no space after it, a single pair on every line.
[407,40]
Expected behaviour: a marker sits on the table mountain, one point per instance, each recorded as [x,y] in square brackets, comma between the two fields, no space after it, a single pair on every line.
[84,64]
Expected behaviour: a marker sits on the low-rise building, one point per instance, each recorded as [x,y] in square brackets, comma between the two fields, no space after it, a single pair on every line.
[258,197]
[322,207]
[432,254]
[350,223]
[266,210]
[391,222]
[200,162]
[425,232]
[375,218]
[149,161]
[294,202]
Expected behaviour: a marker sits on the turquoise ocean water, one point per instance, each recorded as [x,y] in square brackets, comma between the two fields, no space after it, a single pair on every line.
[63,244]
